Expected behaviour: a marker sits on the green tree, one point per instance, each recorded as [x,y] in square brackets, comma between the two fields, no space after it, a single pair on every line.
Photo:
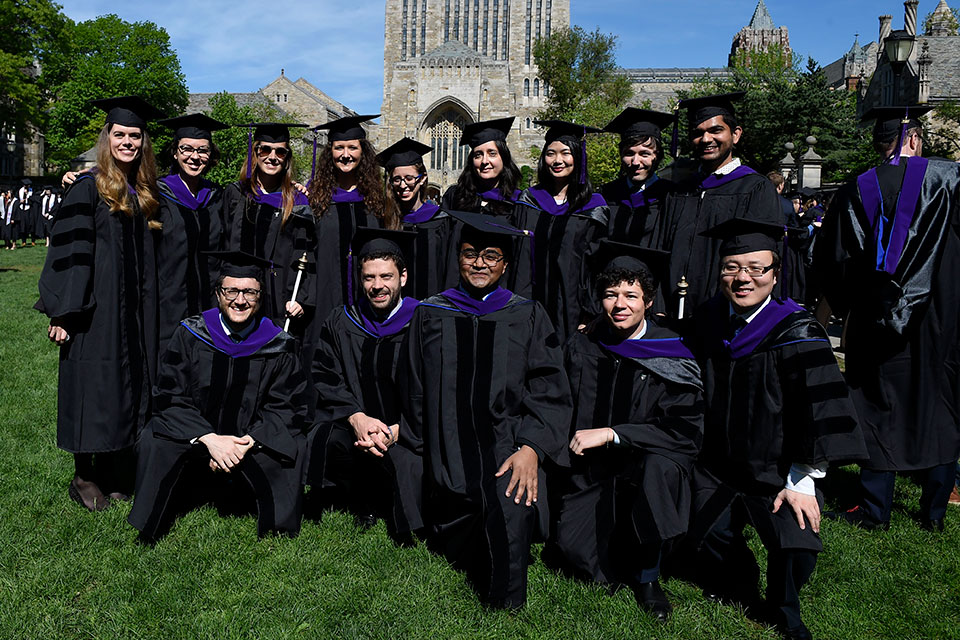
[941,139]
[582,84]
[233,142]
[108,57]
[786,104]
[33,31]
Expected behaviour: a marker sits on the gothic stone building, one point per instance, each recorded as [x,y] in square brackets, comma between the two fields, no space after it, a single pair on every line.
[449,63]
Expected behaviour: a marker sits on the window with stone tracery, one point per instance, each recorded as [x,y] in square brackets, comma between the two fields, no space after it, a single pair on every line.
[445,132]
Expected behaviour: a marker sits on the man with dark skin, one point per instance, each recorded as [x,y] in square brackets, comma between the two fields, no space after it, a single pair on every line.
[723,188]
[487,402]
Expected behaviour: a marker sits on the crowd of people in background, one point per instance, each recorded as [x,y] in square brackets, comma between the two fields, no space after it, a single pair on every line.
[630,373]
[26,215]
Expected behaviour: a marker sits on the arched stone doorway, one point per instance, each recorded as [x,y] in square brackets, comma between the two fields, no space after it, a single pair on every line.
[441,130]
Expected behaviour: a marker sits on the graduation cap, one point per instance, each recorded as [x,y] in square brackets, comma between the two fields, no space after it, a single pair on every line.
[611,255]
[893,122]
[194,125]
[478,133]
[807,192]
[271,131]
[490,231]
[368,241]
[557,129]
[639,123]
[403,153]
[346,128]
[274,132]
[561,130]
[745,235]
[706,107]
[128,111]
[26,182]
[240,264]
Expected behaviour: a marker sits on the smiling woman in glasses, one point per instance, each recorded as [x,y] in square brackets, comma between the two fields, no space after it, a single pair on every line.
[266,215]
[406,181]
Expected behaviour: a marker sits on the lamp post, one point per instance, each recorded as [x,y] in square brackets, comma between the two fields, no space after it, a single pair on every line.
[898,46]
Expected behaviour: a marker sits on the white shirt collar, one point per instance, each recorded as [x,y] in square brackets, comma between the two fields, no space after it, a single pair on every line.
[727,168]
[643,331]
[243,333]
[753,315]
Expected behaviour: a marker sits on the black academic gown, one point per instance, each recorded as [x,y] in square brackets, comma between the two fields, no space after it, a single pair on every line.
[355,370]
[695,207]
[39,229]
[561,279]
[782,402]
[100,281]
[334,232]
[432,254]
[257,229]
[519,275]
[477,388]
[793,277]
[902,338]
[201,389]
[637,492]
[635,214]
[187,277]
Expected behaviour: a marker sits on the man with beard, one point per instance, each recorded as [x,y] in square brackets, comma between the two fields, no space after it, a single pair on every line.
[488,403]
[230,415]
[358,408]
[723,188]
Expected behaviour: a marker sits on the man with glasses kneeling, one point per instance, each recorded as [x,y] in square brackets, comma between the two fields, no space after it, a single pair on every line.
[230,415]
[777,413]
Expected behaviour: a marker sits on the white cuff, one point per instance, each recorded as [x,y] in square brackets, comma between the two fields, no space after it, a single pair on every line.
[616,437]
[801,477]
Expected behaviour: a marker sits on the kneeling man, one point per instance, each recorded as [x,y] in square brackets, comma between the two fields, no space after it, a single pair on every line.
[230,401]
[777,413]
[489,402]
[637,426]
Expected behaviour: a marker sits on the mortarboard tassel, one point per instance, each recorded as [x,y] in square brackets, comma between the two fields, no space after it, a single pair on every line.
[313,166]
[903,132]
[675,139]
[583,157]
[249,152]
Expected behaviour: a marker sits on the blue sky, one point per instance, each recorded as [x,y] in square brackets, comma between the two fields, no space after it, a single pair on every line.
[339,46]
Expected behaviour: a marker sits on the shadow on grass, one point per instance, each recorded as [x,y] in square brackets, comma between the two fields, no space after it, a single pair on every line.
[8,269]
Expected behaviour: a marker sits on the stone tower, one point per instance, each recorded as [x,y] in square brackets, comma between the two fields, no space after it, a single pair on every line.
[942,22]
[760,35]
[448,63]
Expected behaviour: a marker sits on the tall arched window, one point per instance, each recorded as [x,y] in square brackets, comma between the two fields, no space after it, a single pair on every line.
[536,86]
[445,131]
[526,86]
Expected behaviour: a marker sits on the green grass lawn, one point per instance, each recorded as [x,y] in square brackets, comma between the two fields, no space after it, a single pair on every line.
[67,573]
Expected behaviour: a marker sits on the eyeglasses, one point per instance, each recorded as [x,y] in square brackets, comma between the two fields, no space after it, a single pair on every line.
[264,151]
[187,150]
[753,271]
[230,293]
[489,258]
[407,180]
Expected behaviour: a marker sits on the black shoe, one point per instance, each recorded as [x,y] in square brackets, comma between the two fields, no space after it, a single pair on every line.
[797,633]
[857,516]
[932,525]
[653,600]
[365,522]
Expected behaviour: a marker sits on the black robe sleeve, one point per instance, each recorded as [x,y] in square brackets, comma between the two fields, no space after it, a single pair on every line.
[547,403]
[176,414]
[66,285]
[284,415]
[335,400]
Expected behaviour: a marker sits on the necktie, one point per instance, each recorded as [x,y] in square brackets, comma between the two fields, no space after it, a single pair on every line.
[737,324]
